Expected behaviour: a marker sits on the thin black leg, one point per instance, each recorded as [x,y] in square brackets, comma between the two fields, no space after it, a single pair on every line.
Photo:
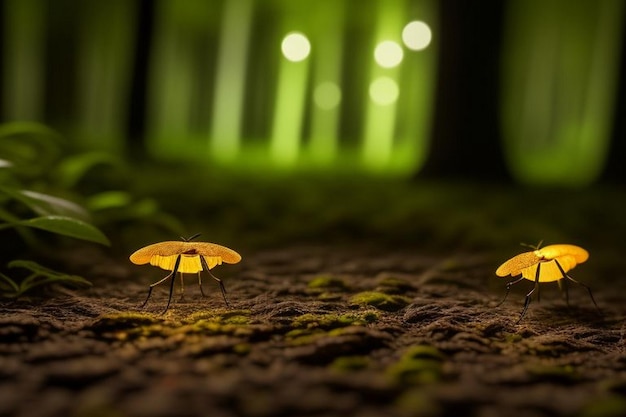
[508,288]
[564,288]
[154,285]
[173,274]
[219,281]
[170,275]
[200,284]
[182,286]
[530,293]
[579,283]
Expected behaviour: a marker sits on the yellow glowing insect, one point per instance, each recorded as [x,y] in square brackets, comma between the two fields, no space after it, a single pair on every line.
[185,257]
[547,264]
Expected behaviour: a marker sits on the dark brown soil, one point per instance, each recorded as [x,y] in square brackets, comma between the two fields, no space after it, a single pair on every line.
[316,331]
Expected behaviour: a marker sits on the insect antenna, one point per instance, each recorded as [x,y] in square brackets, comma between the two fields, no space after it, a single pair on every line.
[533,247]
[189,239]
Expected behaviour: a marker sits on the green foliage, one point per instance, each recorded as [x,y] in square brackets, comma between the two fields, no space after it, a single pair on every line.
[39,276]
[29,153]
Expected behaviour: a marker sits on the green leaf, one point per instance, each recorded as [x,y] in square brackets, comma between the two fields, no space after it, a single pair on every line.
[74,168]
[30,146]
[45,204]
[67,226]
[8,286]
[42,276]
[24,128]
[109,200]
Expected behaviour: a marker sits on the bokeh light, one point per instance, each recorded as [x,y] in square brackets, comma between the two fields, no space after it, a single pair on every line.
[296,46]
[388,54]
[384,91]
[327,95]
[416,35]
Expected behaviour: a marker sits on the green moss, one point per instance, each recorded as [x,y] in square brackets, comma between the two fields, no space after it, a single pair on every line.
[420,364]
[424,352]
[327,281]
[381,301]
[306,336]
[450,265]
[415,402]
[127,319]
[233,322]
[127,325]
[236,319]
[393,285]
[415,371]
[329,296]
[242,348]
[513,337]
[221,316]
[332,321]
[613,406]
[562,374]
[140,332]
[214,327]
[350,363]
[292,334]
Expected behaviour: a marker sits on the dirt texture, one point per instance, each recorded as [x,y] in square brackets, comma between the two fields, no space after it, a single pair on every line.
[339,330]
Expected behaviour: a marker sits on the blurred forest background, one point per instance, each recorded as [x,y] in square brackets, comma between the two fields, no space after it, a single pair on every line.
[207,104]
[524,89]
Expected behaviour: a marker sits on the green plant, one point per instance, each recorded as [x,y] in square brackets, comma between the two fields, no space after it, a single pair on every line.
[28,153]
[39,276]
[103,179]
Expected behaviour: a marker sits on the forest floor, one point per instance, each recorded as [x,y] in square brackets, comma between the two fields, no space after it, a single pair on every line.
[350,327]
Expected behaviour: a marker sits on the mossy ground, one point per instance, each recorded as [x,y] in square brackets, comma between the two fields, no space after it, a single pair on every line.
[382,302]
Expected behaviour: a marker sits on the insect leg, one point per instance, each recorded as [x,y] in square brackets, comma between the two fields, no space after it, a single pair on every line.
[564,288]
[219,281]
[200,284]
[173,274]
[579,283]
[530,293]
[154,285]
[508,288]
[182,286]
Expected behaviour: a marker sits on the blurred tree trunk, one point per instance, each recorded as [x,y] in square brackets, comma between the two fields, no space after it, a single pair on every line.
[615,166]
[139,80]
[466,140]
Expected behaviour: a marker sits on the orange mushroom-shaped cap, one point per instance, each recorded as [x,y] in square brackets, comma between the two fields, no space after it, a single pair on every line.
[164,255]
[555,261]
[516,264]
[578,254]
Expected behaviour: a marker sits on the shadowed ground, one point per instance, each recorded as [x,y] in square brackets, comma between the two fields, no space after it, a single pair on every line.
[374,325]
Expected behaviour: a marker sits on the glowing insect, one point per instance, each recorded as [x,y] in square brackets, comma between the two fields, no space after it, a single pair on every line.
[547,264]
[185,257]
